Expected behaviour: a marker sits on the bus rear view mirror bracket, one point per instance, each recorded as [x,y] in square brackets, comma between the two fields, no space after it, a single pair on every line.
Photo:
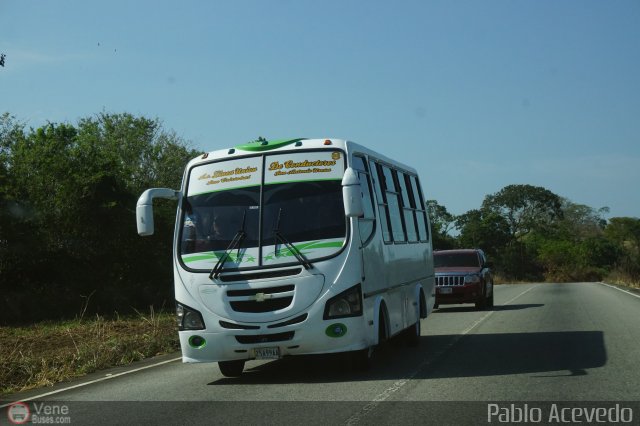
[144,208]
[351,194]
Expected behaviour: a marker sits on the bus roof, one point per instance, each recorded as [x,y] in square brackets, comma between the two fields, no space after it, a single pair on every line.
[262,145]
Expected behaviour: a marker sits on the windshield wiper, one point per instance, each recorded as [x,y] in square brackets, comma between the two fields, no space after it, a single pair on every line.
[235,243]
[293,249]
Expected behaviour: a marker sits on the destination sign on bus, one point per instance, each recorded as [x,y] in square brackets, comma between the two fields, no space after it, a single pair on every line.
[224,175]
[304,166]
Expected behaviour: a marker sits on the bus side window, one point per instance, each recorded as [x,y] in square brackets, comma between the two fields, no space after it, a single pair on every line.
[383,208]
[421,213]
[393,201]
[367,222]
[408,207]
[358,164]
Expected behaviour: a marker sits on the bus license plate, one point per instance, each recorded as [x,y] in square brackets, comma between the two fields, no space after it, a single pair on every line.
[445,290]
[267,353]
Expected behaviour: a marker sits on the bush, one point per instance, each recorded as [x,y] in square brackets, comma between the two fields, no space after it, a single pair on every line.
[67,216]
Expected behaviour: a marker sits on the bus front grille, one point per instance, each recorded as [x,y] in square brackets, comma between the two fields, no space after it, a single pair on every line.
[252,306]
[260,300]
[254,291]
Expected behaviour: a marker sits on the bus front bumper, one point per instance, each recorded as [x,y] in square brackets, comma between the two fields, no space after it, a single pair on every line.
[328,336]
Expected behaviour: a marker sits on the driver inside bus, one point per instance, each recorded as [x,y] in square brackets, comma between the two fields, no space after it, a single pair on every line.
[217,228]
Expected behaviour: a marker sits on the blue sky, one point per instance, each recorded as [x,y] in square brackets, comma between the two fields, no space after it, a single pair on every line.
[476,95]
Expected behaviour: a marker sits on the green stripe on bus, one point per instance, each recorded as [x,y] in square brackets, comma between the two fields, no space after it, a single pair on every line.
[264,145]
[285,252]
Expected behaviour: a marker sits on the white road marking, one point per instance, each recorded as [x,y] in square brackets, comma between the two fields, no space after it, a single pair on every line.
[619,289]
[384,395]
[107,377]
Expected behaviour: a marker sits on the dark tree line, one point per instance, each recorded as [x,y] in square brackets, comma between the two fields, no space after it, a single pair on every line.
[68,243]
[533,234]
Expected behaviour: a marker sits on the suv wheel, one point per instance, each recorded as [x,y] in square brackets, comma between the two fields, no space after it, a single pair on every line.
[490,298]
[481,303]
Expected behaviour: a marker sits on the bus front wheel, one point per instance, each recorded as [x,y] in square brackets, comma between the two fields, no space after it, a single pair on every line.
[361,360]
[231,368]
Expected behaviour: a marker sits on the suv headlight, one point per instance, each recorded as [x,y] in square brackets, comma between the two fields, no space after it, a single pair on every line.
[472,279]
[188,318]
[346,304]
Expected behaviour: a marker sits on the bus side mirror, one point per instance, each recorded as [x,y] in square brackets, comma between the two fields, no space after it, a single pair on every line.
[351,194]
[144,208]
[144,219]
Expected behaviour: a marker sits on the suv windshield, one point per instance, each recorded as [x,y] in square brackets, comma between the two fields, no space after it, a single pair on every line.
[450,260]
[298,194]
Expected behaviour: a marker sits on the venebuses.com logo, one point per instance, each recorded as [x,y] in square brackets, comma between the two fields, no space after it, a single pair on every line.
[20,413]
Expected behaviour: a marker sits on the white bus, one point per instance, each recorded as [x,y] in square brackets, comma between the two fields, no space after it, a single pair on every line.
[291,247]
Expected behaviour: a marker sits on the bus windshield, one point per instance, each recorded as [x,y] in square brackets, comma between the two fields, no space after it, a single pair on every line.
[305,207]
[303,211]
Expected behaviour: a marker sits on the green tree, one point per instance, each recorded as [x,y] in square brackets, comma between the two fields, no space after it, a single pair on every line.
[580,221]
[10,212]
[441,223]
[570,261]
[575,248]
[624,232]
[76,189]
[525,208]
[483,229]
[517,212]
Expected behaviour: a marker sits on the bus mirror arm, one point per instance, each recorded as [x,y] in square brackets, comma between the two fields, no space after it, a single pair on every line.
[351,195]
[144,208]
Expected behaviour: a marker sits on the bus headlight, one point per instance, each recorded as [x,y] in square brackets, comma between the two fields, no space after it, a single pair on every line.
[472,279]
[188,318]
[346,304]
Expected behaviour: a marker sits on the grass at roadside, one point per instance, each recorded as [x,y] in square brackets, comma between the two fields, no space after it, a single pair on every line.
[43,354]
[622,279]
[499,279]
[612,278]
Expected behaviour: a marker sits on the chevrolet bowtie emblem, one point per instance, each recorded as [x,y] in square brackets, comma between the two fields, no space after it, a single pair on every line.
[261,297]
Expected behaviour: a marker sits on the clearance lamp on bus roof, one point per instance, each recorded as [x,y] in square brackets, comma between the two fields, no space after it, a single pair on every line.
[327,142]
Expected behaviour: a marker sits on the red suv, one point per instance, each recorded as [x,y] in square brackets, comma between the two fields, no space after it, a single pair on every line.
[463,276]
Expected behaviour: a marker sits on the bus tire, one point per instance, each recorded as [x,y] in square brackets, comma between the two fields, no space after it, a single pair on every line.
[383,335]
[231,368]
[361,360]
[412,334]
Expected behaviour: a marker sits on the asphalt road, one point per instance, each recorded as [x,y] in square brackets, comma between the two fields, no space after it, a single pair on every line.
[575,344]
